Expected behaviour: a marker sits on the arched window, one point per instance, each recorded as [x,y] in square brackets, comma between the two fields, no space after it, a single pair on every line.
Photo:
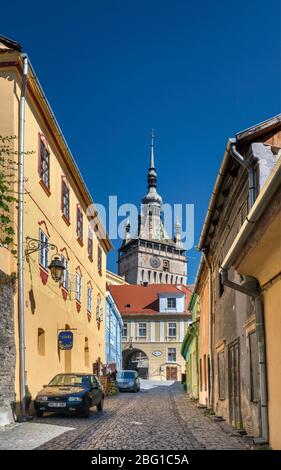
[176,281]
[149,273]
[167,277]
[41,342]
[172,278]
[86,353]
[155,278]
[160,278]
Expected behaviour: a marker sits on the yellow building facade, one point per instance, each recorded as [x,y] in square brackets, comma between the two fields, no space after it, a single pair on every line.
[56,201]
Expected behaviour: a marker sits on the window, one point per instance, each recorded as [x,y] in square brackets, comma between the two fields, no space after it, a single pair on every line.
[221,375]
[43,252]
[172,355]
[99,260]
[65,275]
[166,265]
[172,330]
[65,198]
[79,226]
[254,371]
[142,330]
[172,302]
[90,244]
[78,287]
[125,330]
[44,162]
[41,342]
[86,353]
[89,299]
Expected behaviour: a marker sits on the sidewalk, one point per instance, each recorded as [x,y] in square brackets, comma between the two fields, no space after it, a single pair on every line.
[27,436]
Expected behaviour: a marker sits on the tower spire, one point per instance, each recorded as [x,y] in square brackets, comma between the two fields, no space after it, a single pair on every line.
[152,150]
[152,175]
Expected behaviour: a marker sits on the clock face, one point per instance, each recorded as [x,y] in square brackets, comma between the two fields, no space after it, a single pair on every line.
[155,262]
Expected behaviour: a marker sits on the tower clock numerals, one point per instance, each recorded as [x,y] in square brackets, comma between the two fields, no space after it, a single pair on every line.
[155,262]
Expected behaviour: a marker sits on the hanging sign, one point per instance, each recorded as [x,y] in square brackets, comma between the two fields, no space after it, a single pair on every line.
[65,340]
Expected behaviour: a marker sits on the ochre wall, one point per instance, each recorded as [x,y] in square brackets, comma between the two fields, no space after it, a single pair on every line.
[45,307]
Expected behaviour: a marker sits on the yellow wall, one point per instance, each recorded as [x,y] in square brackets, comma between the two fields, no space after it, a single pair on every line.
[51,311]
[203,337]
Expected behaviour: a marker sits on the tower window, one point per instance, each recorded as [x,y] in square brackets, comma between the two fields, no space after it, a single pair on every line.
[166,265]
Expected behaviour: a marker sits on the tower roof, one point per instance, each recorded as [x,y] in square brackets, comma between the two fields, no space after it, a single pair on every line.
[152,197]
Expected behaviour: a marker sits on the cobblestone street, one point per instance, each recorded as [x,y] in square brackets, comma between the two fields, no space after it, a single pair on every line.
[158,418]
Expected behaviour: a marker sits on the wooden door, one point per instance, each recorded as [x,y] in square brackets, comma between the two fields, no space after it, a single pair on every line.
[171,373]
[234,384]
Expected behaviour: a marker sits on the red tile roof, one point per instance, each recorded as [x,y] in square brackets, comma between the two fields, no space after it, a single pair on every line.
[137,299]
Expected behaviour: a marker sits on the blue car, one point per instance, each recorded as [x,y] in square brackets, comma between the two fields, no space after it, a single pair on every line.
[72,393]
[128,380]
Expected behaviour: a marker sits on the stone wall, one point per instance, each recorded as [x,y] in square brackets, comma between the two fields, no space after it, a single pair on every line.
[7,349]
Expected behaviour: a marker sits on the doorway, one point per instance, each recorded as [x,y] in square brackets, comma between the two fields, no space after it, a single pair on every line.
[171,373]
[234,383]
[135,359]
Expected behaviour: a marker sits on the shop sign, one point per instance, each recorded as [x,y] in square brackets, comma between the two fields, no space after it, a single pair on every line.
[65,340]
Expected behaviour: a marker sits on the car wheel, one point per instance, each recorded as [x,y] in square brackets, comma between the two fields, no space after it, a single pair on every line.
[39,413]
[100,405]
[86,410]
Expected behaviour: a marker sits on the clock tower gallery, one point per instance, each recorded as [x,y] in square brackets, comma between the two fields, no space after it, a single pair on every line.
[151,256]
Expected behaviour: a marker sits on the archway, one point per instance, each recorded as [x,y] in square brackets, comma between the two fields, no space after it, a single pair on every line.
[135,359]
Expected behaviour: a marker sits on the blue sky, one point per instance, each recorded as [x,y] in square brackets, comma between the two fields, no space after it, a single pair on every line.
[196,72]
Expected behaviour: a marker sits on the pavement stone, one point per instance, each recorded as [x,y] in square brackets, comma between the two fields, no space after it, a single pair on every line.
[157,418]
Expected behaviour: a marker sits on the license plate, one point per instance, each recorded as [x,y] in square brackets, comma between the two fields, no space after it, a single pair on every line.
[56,405]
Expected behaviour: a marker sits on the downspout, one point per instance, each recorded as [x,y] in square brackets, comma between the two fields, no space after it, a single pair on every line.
[245,163]
[210,388]
[20,239]
[252,291]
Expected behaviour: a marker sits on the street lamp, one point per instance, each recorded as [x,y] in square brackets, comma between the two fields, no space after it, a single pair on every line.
[56,268]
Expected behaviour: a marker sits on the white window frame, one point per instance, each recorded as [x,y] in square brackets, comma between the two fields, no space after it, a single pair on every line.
[172,327]
[78,287]
[139,328]
[172,300]
[168,360]
[43,252]
[65,275]
[125,326]
[89,299]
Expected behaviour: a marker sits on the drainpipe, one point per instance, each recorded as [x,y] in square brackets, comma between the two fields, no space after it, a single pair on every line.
[245,163]
[20,238]
[210,388]
[251,288]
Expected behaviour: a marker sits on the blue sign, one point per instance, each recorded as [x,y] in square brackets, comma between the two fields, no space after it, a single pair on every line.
[65,339]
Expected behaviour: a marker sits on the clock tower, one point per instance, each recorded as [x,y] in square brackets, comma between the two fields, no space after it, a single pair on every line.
[152,256]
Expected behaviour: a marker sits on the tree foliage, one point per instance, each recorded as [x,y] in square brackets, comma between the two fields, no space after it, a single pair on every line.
[8,173]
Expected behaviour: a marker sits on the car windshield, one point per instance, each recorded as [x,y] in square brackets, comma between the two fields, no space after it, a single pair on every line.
[126,375]
[70,380]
